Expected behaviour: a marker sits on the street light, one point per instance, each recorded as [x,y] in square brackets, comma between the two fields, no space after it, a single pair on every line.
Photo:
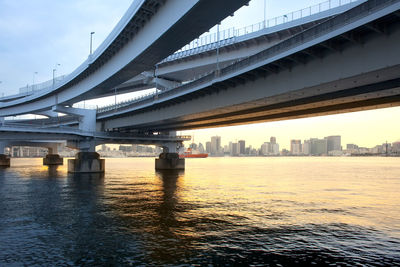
[91,37]
[218,43]
[33,80]
[265,13]
[54,71]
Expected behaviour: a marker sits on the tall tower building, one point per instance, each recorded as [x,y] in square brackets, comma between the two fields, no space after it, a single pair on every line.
[295,147]
[319,146]
[272,140]
[334,143]
[306,149]
[215,145]
[242,147]
[208,147]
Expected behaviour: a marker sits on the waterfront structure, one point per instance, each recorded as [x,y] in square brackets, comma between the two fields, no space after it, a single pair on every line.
[208,147]
[295,147]
[235,151]
[215,145]
[318,147]
[334,143]
[242,147]
[396,147]
[306,149]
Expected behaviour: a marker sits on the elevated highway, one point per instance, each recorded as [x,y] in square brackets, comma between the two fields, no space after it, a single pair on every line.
[200,56]
[350,62]
[148,32]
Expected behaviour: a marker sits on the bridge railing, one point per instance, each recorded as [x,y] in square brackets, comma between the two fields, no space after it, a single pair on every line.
[270,53]
[210,41]
[40,86]
[228,36]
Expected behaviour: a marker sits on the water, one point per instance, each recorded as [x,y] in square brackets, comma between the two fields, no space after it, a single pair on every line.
[220,211]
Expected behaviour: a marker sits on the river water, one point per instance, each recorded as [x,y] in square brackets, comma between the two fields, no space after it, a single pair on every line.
[219,211]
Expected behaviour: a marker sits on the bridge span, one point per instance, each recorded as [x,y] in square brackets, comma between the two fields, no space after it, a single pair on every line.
[346,62]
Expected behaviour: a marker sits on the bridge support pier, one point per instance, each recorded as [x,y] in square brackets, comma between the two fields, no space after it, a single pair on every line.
[4,159]
[86,162]
[169,159]
[52,158]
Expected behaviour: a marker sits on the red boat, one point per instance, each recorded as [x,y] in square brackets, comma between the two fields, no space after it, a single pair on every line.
[189,153]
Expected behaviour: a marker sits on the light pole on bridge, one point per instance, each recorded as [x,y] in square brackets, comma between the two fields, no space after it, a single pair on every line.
[265,13]
[218,43]
[33,80]
[91,37]
[54,73]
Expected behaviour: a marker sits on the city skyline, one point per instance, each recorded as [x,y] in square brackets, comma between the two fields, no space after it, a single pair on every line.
[327,146]
[366,128]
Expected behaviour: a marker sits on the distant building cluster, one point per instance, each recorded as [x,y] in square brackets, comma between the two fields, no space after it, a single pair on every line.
[330,145]
[129,151]
[327,146]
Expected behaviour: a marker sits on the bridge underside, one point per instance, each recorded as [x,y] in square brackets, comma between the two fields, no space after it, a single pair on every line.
[353,71]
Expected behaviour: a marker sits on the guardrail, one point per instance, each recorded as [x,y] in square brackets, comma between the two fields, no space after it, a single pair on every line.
[209,42]
[203,43]
[228,36]
[275,50]
[41,86]
[70,130]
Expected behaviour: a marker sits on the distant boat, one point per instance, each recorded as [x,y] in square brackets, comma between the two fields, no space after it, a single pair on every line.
[189,153]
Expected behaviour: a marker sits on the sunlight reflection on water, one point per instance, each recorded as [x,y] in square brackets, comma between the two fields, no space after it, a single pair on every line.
[219,210]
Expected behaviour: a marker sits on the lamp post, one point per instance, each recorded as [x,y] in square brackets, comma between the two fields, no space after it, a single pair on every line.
[91,37]
[54,72]
[217,49]
[33,80]
[265,13]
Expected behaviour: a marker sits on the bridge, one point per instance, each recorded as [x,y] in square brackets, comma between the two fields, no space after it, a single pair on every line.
[341,59]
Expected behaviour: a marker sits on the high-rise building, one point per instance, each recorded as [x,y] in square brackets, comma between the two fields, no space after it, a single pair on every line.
[334,143]
[208,147]
[396,147]
[242,147]
[264,149]
[235,149]
[272,140]
[215,145]
[295,147]
[351,147]
[318,146]
[306,149]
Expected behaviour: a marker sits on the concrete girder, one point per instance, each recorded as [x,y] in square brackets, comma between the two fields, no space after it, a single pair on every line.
[48,113]
[87,117]
[376,60]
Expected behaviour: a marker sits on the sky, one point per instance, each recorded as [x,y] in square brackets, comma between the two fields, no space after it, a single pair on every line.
[38,36]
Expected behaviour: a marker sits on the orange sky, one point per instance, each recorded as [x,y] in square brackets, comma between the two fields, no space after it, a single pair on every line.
[364,128]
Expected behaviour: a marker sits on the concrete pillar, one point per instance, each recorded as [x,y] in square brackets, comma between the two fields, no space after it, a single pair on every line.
[4,159]
[52,158]
[86,162]
[169,159]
